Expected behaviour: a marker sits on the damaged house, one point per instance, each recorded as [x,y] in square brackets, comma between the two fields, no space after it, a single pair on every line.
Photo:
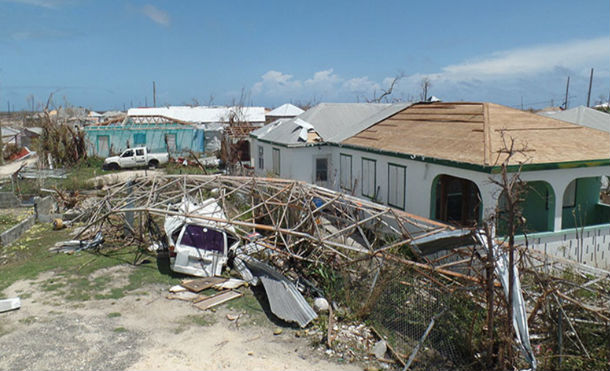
[158,133]
[211,120]
[436,160]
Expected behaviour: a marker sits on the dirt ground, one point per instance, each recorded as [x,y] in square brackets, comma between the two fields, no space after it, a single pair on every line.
[143,331]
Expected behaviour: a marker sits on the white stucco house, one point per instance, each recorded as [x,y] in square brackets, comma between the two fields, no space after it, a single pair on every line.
[437,160]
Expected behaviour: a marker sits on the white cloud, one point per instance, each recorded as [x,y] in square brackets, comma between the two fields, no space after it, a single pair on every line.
[531,60]
[361,85]
[273,81]
[536,72]
[156,15]
[324,78]
[323,85]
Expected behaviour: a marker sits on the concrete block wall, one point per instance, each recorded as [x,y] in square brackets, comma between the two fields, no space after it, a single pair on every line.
[17,231]
[589,245]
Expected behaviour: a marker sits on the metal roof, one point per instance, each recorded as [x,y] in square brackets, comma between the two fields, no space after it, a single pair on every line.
[333,122]
[583,116]
[285,110]
[203,114]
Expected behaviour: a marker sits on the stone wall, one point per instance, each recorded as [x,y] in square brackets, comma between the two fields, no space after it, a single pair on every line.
[9,200]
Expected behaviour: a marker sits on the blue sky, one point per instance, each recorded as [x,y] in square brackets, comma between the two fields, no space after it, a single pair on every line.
[105,54]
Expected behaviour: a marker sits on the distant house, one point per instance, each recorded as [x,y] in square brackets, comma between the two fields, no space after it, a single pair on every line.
[297,148]
[212,120]
[205,115]
[584,116]
[285,111]
[438,160]
[158,133]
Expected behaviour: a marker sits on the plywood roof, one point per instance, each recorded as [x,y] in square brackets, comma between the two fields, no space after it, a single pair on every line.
[476,133]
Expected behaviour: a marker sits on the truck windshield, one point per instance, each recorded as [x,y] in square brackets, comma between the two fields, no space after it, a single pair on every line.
[127,153]
[203,238]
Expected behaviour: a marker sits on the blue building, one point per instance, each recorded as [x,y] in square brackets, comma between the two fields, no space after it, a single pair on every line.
[158,133]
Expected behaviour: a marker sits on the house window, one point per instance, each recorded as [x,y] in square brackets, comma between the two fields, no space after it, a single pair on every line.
[397,177]
[569,196]
[261,159]
[345,168]
[170,140]
[369,177]
[276,161]
[321,169]
[139,139]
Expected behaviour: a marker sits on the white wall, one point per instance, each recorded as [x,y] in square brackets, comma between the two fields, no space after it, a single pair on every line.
[299,163]
[420,176]
[295,162]
[588,245]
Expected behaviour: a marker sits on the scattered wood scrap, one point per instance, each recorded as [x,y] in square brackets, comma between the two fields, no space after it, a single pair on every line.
[217,299]
[200,284]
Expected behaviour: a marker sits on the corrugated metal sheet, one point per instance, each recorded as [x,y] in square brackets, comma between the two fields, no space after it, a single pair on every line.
[582,115]
[333,122]
[285,300]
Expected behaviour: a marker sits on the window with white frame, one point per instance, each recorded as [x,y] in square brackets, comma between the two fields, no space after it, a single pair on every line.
[345,169]
[369,177]
[261,159]
[276,161]
[397,178]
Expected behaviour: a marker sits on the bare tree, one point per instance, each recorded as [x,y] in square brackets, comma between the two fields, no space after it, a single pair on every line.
[305,105]
[509,211]
[386,93]
[425,85]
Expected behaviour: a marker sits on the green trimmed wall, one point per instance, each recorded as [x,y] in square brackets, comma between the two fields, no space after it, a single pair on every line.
[539,207]
[587,210]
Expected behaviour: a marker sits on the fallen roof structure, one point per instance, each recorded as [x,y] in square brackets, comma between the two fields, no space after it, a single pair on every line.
[398,269]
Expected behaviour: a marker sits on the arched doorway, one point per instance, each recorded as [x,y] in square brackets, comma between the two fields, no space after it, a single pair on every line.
[537,208]
[455,200]
[581,204]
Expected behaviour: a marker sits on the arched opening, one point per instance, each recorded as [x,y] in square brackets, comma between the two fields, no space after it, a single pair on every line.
[455,201]
[581,204]
[537,208]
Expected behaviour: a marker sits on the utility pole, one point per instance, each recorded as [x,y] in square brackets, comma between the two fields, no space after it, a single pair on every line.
[154,95]
[590,84]
[565,103]
[522,103]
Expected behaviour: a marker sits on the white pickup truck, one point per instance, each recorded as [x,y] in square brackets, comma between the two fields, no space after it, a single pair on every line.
[135,157]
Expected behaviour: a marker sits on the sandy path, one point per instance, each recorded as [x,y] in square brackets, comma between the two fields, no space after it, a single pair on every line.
[141,331]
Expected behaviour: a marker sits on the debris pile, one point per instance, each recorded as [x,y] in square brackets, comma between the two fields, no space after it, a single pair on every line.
[428,288]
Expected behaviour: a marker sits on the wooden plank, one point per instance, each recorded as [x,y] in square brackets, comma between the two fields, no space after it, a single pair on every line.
[185,296]
[200,284]
[217,299]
